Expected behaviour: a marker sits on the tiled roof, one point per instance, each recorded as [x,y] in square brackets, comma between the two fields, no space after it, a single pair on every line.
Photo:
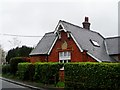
[112,45]
[44,44]
[83,38]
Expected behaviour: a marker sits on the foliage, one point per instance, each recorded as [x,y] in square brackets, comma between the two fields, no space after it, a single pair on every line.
[18,52]
[5,69]
[14,63]
[2,55]
[26,71]
[60,84]
[92,75]
[47,73]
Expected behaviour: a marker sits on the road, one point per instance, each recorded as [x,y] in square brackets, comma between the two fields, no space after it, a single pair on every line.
[8,85]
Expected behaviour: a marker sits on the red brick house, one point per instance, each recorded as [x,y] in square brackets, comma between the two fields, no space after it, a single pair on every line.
[71,43]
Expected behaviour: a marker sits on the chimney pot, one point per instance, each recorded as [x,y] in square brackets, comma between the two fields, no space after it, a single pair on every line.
[86,23]
[86,19]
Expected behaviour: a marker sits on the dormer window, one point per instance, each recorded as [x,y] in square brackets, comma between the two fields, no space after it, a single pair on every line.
[95,43]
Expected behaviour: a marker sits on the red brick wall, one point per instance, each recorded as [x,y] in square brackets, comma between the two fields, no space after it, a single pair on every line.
[41,58]
[76,55]
[61,75]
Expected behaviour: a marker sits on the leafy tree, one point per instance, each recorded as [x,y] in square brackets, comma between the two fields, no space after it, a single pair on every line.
[18,52]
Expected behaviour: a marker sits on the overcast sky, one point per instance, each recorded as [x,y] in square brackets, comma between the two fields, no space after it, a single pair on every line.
[37,17]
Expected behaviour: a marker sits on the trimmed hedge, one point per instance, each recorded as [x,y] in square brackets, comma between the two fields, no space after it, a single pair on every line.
[14,63]
[92,76]
[47,73]
[26,71]
[5,69]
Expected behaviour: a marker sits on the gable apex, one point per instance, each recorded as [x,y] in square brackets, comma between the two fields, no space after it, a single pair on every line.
[59,27]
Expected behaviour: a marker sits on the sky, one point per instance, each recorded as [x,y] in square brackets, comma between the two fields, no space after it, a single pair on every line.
[37,17]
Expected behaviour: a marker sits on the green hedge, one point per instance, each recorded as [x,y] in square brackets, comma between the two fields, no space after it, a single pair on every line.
[26,71]
[92,75]
[14,63]
[47,73]
[5,69]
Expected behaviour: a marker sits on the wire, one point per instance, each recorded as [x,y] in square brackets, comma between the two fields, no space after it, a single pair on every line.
[19,35]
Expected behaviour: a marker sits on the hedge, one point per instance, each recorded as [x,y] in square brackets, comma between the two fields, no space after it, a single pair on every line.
[5,69]
[14,63]
[47,73]
[26,71]
[92,76]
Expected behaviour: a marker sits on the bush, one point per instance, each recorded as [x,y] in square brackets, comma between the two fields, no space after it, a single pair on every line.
[5,69]
[92,75]
[26,71]
[47,73]
[14,62]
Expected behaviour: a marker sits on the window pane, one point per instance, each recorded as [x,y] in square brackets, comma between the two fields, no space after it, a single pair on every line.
[65,53]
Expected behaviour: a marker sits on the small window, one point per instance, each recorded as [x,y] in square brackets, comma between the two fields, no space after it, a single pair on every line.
[95,43]
[64,57]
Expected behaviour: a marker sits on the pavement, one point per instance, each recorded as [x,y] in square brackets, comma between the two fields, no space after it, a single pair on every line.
[22,84]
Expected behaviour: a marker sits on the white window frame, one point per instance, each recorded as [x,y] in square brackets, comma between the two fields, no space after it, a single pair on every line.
[64,57]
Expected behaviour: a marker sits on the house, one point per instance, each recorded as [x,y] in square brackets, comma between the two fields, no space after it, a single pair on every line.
[72,43]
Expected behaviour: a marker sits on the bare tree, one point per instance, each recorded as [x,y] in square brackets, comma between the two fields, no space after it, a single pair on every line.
[15,42]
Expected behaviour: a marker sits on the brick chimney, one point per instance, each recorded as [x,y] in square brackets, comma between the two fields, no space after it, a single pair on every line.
[86,23]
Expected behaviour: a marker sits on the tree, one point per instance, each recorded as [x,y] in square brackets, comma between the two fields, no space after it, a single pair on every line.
[18,52]
[2,55]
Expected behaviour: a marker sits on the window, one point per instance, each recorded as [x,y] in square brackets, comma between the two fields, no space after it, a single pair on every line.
[95,43]
[64,57]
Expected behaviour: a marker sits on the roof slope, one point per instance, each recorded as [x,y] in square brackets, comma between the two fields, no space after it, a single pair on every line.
[44,44]
[82,36]
[112,45]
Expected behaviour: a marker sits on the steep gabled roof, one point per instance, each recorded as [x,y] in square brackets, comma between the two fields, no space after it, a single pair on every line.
[112,45]
[83,38]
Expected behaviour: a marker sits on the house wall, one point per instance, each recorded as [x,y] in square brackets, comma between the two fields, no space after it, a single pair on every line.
[39,58]
[76,55]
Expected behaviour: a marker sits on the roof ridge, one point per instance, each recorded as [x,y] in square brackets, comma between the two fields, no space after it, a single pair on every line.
[81,27]
[70,23]
[112,37]
[49,32]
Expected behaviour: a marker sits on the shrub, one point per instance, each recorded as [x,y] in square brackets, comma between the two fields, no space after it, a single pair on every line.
[6,69]
[92,75]
[47,73]
[14,62]
[26,71]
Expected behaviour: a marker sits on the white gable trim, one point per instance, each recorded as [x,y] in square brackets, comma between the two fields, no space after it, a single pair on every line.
[94,57]
[106,47]
[52,45]
[76,43]
[58,27]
